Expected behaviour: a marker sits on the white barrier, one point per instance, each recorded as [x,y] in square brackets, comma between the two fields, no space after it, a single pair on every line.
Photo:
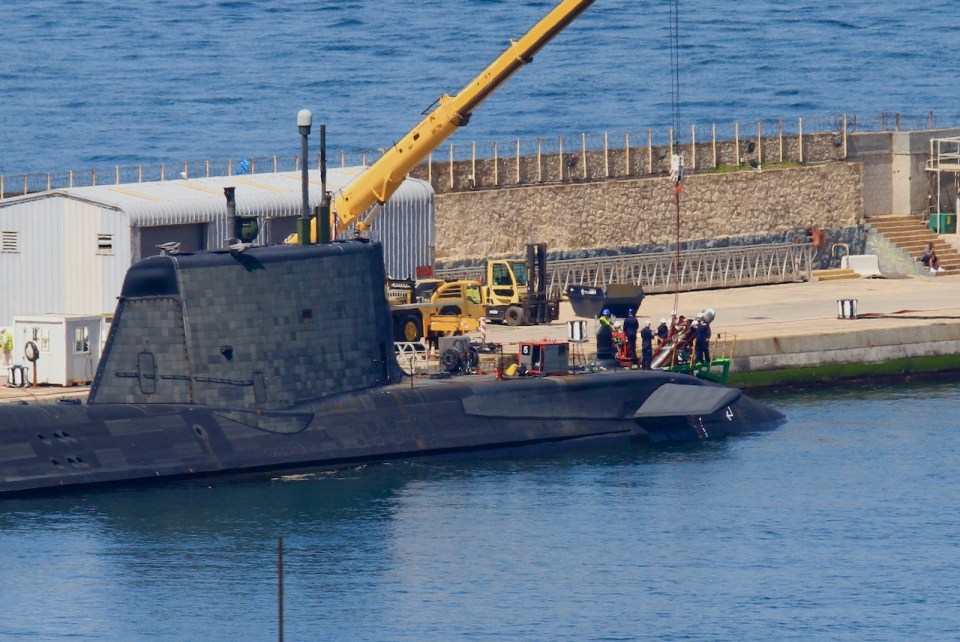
[866,265]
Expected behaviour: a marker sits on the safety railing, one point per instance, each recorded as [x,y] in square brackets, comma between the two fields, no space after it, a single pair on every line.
[565,155]
[412,356]
[657,272]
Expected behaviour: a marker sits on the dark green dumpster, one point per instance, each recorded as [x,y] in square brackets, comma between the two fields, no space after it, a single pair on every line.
[943,222]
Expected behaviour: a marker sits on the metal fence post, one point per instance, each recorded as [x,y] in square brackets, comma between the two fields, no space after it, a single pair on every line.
[539,160]
[693,147]
[518,161]
[713,129]
[626,153]
[649,151]
[736,144]
[800,136]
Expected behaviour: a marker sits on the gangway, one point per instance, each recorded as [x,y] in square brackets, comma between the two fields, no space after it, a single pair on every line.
[657,273]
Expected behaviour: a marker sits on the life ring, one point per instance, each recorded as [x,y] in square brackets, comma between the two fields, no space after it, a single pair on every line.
[31,351]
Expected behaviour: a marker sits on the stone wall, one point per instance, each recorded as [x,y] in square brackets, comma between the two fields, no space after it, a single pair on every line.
[642,212]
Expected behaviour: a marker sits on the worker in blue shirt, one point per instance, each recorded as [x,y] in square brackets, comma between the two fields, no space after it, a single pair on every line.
[702,353]
[646,346]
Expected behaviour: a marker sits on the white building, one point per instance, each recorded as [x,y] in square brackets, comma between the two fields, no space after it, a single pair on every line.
[66,251]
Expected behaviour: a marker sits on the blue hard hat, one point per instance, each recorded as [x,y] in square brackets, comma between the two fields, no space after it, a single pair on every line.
[606,311]
[630,311]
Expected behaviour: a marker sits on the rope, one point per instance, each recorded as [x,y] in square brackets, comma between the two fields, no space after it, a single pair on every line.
[675,98]
[675,63]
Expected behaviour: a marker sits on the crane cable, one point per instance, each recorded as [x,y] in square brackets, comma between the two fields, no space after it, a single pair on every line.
[676,173]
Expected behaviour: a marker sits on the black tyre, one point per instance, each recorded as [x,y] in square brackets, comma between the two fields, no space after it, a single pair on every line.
[514,315]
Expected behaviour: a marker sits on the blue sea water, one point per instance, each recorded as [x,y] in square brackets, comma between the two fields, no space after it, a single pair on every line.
[88,84]
[840,525]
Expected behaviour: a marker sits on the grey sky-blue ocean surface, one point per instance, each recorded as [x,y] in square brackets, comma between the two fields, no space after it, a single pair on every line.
[88,84]
[840,525]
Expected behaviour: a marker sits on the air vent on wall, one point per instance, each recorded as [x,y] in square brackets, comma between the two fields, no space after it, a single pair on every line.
[104,243]
[10,241]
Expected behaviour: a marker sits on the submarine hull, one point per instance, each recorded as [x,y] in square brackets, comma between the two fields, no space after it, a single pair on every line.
[281,358]
[64,445]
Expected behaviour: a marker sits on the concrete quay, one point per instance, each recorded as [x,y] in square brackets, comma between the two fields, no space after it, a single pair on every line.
[791,333]
[784,334]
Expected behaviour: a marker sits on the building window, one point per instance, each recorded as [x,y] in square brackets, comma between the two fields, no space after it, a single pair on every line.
[81,340]
[9,242]
[41,336]
[104,243]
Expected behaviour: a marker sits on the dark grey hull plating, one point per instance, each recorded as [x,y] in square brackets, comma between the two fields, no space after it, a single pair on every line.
[62,445]
[254,361]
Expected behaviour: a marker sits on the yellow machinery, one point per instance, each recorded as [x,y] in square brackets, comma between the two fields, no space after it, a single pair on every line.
[379,182]
[516,289]
[454,308]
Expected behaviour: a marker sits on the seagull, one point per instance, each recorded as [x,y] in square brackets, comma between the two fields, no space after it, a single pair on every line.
[184,175]
[170,247]
[238,248]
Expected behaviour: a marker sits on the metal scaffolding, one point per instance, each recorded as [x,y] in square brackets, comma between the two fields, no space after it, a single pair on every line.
[944,165]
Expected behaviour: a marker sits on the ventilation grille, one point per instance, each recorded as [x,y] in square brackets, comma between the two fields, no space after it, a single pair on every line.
[9,241]
[104,243]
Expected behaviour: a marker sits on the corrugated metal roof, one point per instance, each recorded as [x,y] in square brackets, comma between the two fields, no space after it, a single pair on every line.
[199,200]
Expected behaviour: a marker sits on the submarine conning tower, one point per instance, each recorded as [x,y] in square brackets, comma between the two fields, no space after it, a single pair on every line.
[266,328]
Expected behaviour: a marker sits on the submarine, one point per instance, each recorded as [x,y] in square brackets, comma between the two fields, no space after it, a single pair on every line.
[281,358]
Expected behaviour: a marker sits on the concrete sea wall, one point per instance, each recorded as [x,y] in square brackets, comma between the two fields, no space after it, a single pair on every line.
[825,348]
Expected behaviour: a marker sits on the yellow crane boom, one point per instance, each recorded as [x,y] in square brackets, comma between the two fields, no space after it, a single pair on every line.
[379,182]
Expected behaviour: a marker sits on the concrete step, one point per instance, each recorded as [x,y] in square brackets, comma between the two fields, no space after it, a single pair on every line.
[912,235]
[897,227]
[895,222]
[833,275]
[943,253]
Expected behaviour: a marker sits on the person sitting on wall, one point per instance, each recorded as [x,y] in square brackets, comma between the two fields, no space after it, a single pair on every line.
[930,259]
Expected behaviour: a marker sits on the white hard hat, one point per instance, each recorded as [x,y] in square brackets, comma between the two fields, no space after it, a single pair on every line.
[663,320]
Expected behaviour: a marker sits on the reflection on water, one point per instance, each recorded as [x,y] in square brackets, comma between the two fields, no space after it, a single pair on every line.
[834,526]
